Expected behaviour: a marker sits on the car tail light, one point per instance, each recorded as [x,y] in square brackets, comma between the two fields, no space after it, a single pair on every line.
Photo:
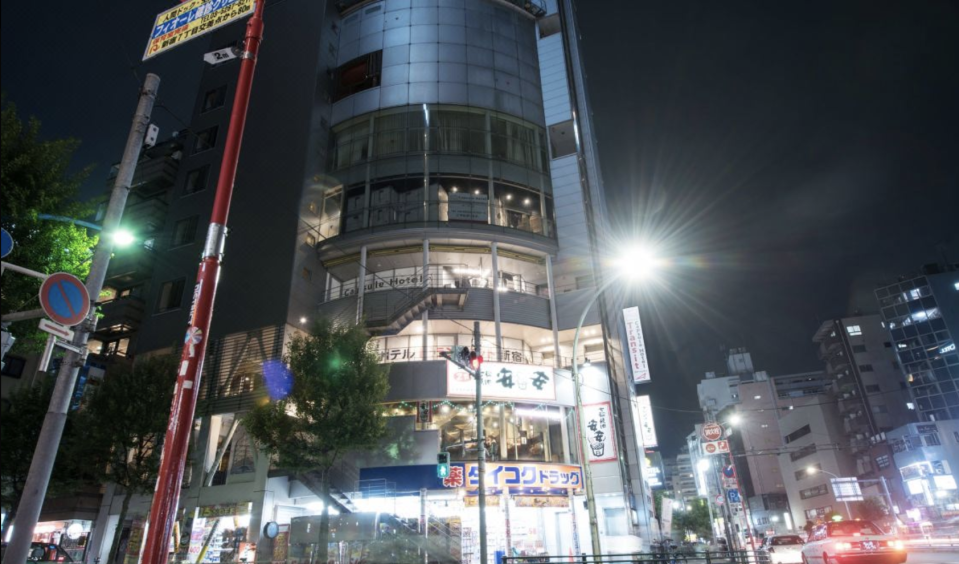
[844,546]
[897,544]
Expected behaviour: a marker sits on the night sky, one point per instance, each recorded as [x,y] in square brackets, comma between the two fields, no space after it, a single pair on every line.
[784,157]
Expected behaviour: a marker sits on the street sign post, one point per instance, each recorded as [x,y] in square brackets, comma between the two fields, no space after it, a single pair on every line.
[192,19]
[64,299]
[712,432]
[716,447]
[6,243]
[734,496]
[56,329]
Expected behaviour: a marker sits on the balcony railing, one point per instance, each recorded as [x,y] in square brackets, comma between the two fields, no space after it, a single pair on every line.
[437,276]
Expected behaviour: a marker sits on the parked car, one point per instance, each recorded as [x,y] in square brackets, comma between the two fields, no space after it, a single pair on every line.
[782,549]
[852,541]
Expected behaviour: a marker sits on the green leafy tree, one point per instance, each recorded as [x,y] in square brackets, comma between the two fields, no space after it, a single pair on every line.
[334,407]
[694,518]
[20,423]
[872,509]
[36,178]
[125,423]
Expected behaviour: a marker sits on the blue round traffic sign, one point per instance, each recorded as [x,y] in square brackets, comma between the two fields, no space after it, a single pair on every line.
[6,243]
[64,299]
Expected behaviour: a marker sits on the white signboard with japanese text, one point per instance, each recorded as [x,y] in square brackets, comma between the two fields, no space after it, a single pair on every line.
[503,381]
[847,489]
[667,512]
[598,428]
[636,346]
[645,425]
[468,207]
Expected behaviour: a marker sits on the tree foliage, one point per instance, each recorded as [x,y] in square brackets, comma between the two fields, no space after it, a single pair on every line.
[693,519]
[125,422]
[36,178]
[872,509]
[20,424]
[334,406]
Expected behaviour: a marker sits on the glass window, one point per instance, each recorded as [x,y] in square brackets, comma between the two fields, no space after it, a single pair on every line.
[357,75]
[196,180]
[184,232]
[517,432]
[170,295]
[214,99]
[517,208]
[205,139]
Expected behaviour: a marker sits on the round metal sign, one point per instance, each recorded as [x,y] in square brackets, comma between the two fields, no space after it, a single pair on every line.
[712,432]
[64,299]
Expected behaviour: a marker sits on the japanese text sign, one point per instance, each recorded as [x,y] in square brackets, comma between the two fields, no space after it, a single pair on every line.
[644,421]
[503,381]
[191,19]
[636,346]
[598,428]
[516,475]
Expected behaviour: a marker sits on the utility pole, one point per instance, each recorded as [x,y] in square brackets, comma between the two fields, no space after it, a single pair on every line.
[481,444]
[35,489]
[177,439]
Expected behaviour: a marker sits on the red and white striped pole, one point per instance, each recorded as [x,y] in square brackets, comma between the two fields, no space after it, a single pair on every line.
[167,494]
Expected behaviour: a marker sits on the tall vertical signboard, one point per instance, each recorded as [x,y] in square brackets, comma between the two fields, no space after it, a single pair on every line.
[644,421]
[638,366]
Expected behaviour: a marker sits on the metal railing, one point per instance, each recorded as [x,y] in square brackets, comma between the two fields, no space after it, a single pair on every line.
[437,276]
[678,556]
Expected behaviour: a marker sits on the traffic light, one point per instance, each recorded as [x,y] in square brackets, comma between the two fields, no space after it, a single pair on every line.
[443,464]
[475,361]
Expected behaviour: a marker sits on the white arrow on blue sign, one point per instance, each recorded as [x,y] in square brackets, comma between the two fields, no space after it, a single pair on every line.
[6,243]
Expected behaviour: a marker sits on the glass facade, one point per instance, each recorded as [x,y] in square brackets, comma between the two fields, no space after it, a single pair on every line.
[926,349]
[439,165]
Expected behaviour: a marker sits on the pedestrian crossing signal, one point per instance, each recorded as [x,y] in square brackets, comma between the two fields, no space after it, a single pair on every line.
[443,465]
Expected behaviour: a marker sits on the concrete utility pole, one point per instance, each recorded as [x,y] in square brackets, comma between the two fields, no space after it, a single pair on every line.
[480,444]
[35,490]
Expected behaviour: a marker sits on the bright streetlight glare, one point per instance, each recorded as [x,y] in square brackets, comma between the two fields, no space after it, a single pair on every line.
[638,263]
[703,465]
[123,238]
[811,470]
[735,419]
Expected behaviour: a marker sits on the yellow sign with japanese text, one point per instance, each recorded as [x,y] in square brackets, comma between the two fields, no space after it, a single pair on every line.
[192,19]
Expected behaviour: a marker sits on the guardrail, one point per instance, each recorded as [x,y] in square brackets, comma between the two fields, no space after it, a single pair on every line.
[671,557]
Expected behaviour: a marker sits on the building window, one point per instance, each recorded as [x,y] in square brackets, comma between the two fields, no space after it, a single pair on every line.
[859,348]
[562,139]
[184,232]
[205,139]
[931,439]
[881,408]
[872,389]
[357,75]
[170,296]
[865,368]
[196,180]
[854,330]
[116,348]
[883,461]
[214,99]
[13,366]
[800,432]
[311,239]
[803,452]
[819,512]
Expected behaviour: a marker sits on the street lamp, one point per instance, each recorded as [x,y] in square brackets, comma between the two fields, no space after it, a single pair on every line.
[635,264]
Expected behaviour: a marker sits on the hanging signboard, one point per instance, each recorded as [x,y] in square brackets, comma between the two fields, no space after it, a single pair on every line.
[636,345]
[646,427]
[667,513]
[503,381]
[191,19]
[598,427]
[468,207]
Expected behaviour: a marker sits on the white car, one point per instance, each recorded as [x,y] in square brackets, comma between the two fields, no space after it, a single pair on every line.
[852,541]
[783,549]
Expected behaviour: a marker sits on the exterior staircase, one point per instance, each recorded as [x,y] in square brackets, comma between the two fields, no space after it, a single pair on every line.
[389,319]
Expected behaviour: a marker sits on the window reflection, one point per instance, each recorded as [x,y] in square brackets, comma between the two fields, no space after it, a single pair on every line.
[524,432]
